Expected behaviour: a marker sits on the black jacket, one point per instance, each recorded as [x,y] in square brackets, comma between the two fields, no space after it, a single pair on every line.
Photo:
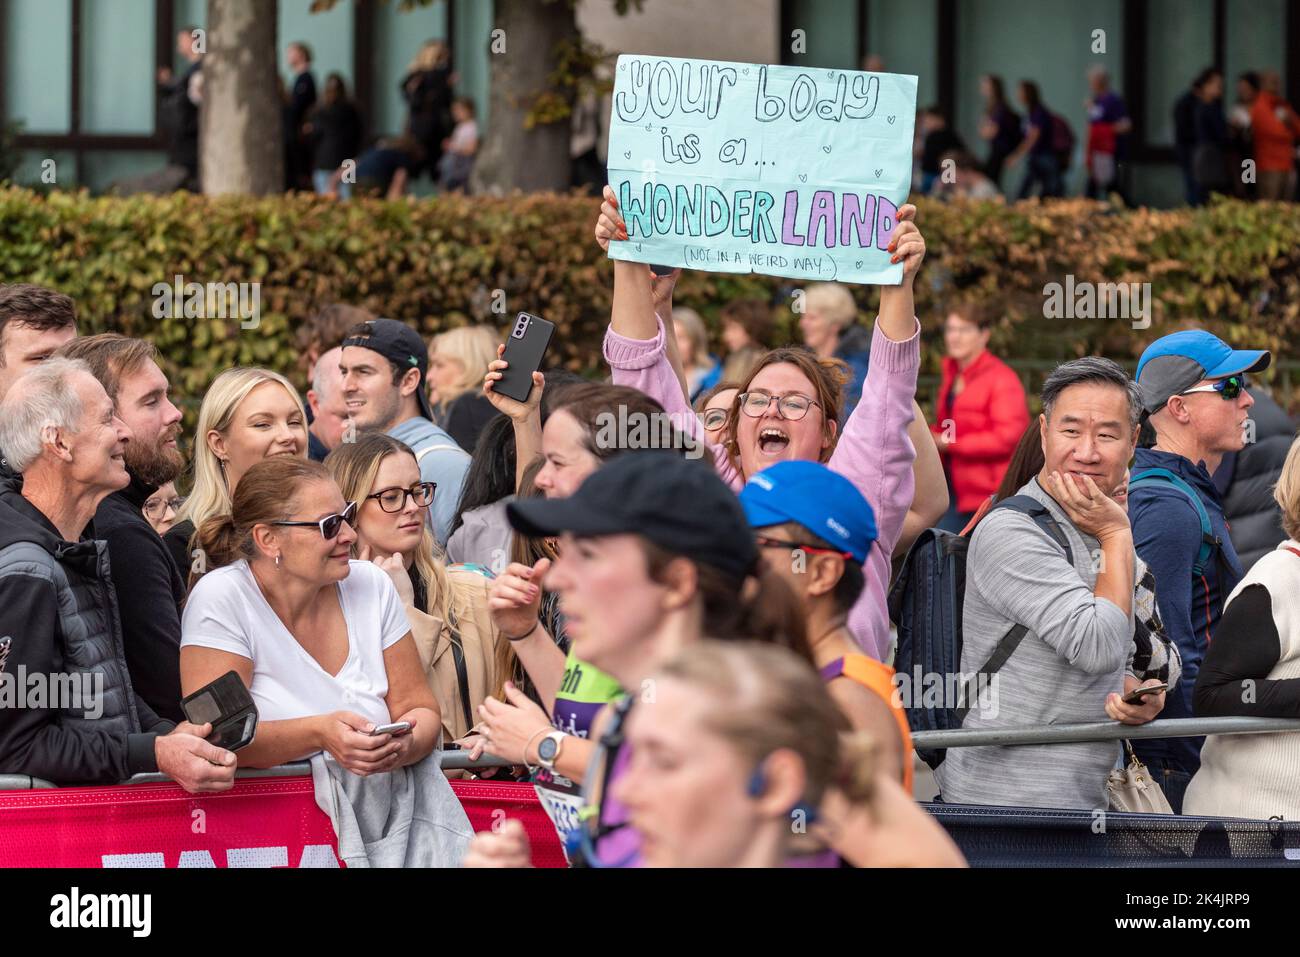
[59,611]
[1245,481]
[149,598]
[177,542]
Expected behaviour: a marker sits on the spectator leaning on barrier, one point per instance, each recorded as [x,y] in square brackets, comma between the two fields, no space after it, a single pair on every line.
[1193,388]
[34,321]
[1252,669]
[1070,665]
[59,622]
[320,640]
[150,588]
[814,529]
[384,367]
[1246,479]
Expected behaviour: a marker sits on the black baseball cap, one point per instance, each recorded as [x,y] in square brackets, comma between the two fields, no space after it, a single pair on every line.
[400,344]
[679,504]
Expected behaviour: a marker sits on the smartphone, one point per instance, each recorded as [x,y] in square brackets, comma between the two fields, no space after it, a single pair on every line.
[525,348]
[1137,694]
[396,728]
[227,705]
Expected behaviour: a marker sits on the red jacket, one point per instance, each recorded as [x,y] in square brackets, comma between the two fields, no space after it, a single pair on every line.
[985,423]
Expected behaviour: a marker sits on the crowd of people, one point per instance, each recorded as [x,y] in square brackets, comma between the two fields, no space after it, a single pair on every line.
[683,644]
[1211,144]
[325,146]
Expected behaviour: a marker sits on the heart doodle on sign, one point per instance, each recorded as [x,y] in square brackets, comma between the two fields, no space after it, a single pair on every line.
[745,71]
[890,120]
[830,74]
[878,172]
[627,154]
[638,247]
[826,149]
[649,127]
[858,264]
[803,177]
[622,66]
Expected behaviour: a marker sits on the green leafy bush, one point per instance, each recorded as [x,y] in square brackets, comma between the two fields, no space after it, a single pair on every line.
[1232,267]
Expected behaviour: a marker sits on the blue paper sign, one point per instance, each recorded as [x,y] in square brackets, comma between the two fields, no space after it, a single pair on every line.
[738,167]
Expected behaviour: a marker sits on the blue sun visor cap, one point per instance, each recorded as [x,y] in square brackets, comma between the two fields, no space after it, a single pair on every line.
[811,495]
[1174,363]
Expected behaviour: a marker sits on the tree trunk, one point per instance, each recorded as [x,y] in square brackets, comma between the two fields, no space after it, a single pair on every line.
[514,157]
[240,144]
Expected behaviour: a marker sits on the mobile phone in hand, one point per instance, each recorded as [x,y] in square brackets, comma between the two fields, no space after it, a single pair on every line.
[1137,694]
[395,729]
[525,348]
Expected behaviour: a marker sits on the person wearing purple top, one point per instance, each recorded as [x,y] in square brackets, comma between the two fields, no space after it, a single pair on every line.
[793,402]
[1108,129]
[999,127]
[1042,163]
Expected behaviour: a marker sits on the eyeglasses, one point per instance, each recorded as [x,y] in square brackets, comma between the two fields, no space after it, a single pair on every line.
[1230,388]
[394,499]
[155,507]
[792,405]
[713,419]
[329,525]
[765,542]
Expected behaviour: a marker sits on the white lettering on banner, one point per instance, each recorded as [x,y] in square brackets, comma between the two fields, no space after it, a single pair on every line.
[313,855]
[75,910]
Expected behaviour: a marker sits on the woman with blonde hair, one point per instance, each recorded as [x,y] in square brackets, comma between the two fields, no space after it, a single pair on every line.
[701,369]
[1252,669]
[458,361]
[447,606]
[247,415]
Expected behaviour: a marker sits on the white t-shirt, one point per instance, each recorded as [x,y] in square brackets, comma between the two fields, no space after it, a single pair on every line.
[227,611]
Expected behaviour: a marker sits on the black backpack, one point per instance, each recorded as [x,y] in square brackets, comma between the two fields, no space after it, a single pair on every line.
[925,603]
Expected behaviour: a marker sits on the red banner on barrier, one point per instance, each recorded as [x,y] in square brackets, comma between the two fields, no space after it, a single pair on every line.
[260,822]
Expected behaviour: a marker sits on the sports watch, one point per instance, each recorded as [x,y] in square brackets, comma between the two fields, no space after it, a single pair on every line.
[548,749]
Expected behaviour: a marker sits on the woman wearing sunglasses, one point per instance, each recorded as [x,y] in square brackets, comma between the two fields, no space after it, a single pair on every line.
[446,606]
[321,640]
[789,405]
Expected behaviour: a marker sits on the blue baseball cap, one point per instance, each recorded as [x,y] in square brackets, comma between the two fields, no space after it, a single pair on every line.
[811,495]
[1174,363]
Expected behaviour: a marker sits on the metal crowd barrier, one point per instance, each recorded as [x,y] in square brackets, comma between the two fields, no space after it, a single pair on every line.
[1099,731]
[451,760]
[924,740]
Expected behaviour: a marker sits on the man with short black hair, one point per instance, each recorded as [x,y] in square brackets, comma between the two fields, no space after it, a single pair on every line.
[150,588]
[384,367]
[1194,390]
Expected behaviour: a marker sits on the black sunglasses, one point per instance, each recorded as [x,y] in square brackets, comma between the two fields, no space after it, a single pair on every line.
[329,525]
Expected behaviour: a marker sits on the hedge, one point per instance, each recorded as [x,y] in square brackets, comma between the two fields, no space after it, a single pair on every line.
[1233,267]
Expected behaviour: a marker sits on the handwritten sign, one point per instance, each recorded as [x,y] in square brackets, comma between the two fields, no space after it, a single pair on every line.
[737,167]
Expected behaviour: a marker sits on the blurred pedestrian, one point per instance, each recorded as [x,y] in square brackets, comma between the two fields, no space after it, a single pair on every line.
[459,149]
[427,90]
[333,133]
[302,97]
[1041,147]
[999,127]
[1108,129]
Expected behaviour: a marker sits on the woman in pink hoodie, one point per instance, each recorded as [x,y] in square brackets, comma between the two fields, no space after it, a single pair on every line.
[787,414]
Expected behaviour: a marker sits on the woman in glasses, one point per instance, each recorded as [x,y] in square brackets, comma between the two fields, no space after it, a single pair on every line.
[321,640]
[714,408]
[789,405]
[446,606]
[161,507]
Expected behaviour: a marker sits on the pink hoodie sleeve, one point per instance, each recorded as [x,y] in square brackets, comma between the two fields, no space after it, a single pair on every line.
[875,453]
[643,364]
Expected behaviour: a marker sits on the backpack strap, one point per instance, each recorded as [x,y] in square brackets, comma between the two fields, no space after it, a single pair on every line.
[462,674]
[1152,477]
[1009,642]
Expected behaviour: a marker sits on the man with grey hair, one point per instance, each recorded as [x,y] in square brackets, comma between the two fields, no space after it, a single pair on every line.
[59,624]
[329,409]
[1049,603]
